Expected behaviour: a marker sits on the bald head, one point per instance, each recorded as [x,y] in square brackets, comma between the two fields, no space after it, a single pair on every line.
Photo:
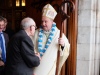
[27,22]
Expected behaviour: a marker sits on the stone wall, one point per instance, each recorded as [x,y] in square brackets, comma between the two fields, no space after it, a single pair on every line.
[88,43]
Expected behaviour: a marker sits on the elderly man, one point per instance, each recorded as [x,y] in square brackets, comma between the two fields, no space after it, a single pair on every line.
[46,41]
[20,52]
[3,44]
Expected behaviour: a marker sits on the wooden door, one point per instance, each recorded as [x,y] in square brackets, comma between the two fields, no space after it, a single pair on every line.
[70,29]
[72,36]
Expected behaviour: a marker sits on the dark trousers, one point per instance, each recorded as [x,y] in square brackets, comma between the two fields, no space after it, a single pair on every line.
[1,70]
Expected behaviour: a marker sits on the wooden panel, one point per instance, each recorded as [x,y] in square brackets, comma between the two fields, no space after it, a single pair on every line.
[72,36]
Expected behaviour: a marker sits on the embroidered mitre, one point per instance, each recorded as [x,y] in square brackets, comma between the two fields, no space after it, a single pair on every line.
[49,11]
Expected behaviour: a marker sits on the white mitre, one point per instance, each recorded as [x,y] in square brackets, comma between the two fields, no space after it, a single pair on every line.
[49,11]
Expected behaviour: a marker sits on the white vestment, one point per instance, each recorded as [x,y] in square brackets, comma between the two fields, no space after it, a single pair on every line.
[48,62]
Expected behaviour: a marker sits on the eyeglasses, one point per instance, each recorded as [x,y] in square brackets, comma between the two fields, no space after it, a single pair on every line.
[35,27]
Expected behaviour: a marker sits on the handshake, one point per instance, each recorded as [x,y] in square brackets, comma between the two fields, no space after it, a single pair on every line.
[38,54]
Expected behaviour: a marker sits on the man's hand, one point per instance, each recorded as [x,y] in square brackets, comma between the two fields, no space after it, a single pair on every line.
[38,54]
[61,41]
[1,63]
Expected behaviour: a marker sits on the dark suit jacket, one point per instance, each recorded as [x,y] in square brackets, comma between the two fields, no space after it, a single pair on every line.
[6,38]
[6,42]
[20,55]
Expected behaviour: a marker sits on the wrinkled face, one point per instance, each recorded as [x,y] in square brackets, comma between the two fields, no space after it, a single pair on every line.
[33,27]
[2,25]
[46,23]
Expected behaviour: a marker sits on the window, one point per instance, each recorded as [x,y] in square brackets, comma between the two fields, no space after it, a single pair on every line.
[17,3]
[23,3]
[20,3]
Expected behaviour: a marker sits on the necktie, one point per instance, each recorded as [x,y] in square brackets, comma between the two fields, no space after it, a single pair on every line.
[2,48]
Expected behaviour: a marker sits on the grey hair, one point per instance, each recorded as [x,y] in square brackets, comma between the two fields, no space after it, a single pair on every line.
[2,18]
[27,22]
